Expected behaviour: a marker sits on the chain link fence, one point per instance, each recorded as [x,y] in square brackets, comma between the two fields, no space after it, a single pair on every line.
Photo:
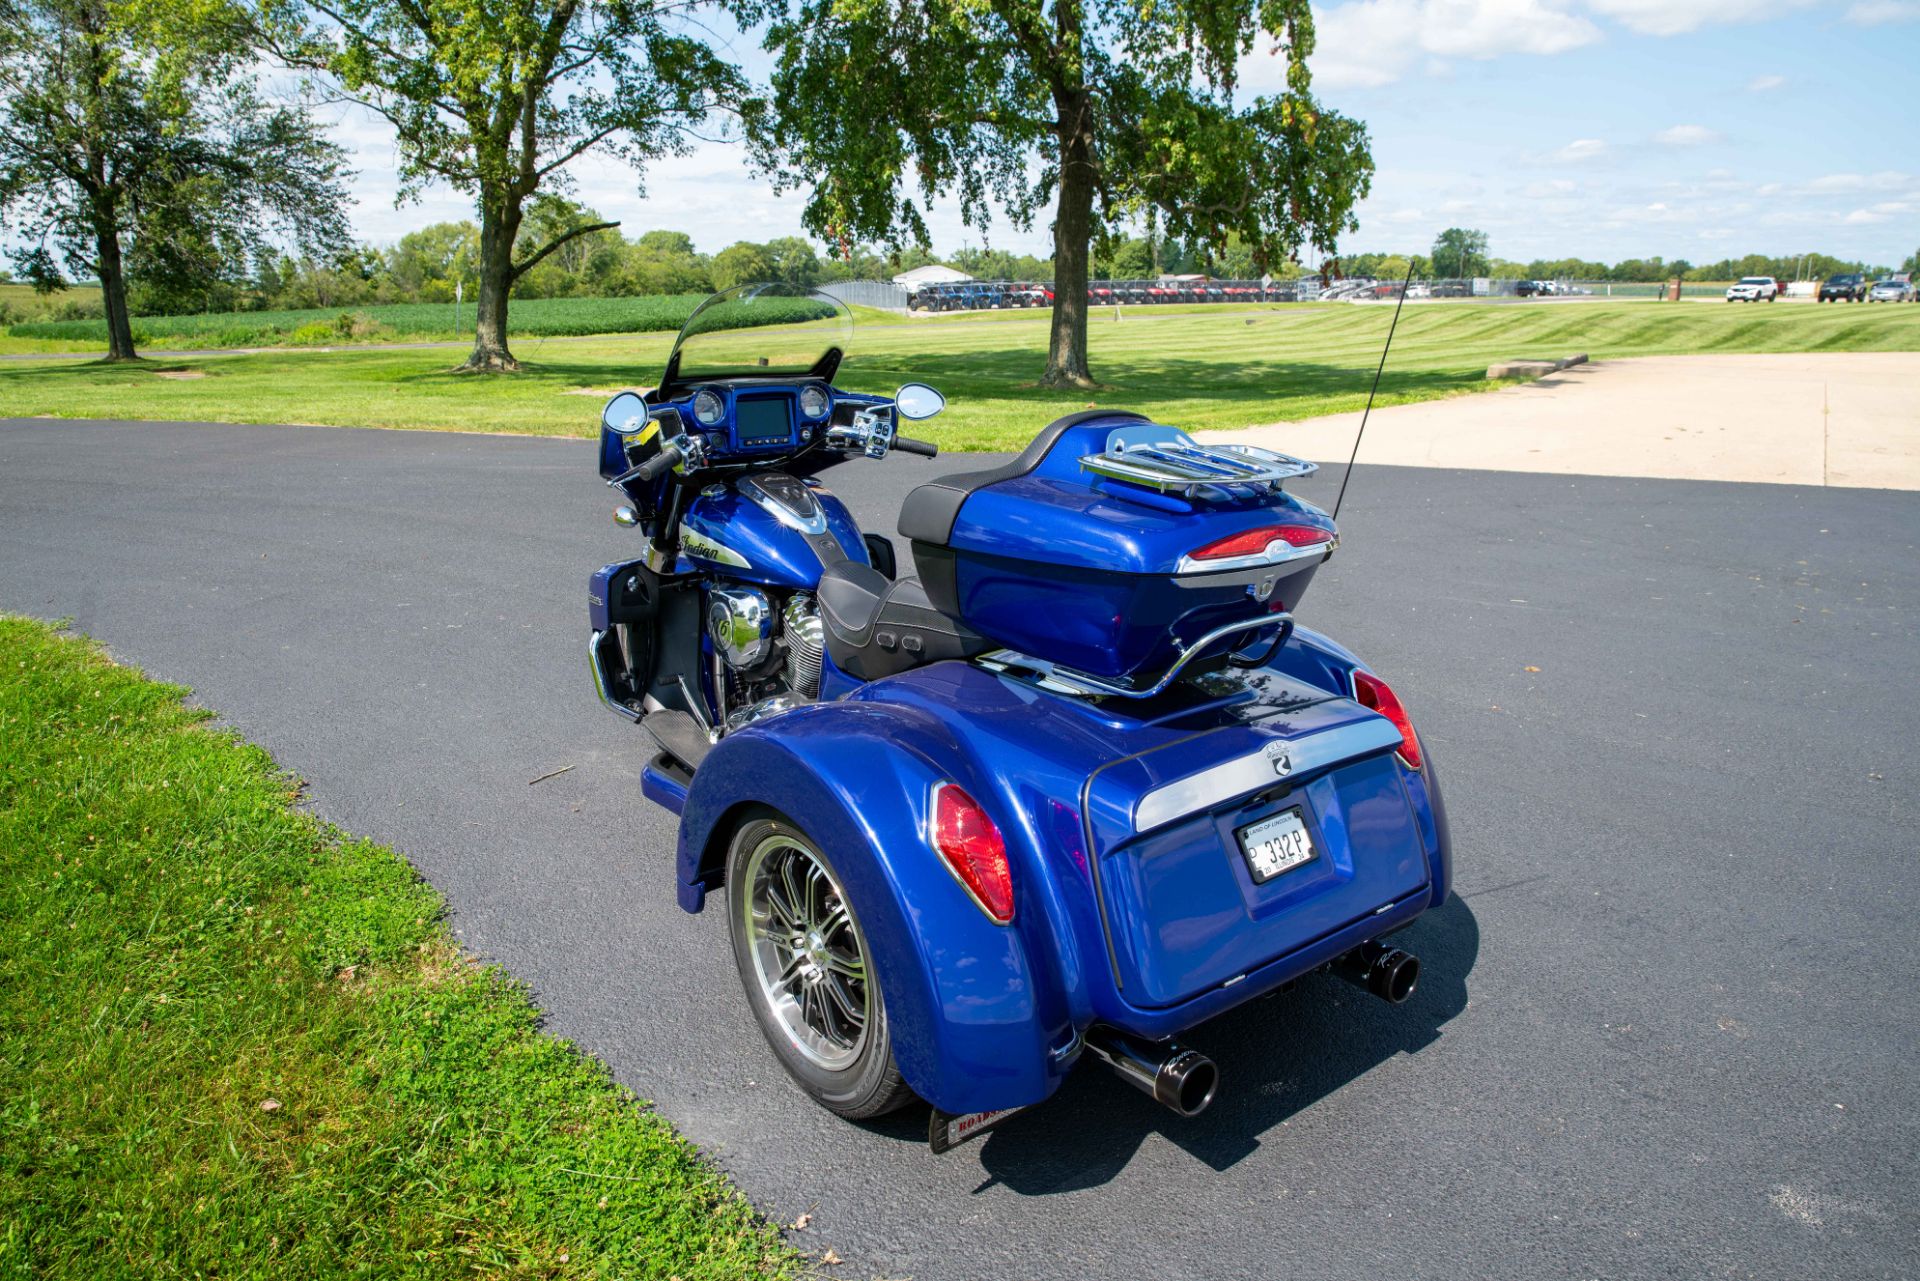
[998,295]
[868,293]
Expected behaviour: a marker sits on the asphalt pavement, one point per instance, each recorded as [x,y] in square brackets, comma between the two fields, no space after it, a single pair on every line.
[1667,1028]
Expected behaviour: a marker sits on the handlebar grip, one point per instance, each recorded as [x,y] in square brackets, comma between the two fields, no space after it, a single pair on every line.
[660,464]
[924,448]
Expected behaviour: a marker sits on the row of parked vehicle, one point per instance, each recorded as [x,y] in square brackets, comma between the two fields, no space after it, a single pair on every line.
[988,295]
[981,295]
[1846,287]
[1853,287]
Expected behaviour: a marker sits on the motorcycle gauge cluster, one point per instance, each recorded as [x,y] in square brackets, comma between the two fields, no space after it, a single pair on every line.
[708,408]
[813,402]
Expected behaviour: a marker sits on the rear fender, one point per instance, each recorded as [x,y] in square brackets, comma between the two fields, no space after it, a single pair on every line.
[977,1016]
[1325,662]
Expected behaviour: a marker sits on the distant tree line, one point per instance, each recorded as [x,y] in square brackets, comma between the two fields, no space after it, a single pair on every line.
[1461,252]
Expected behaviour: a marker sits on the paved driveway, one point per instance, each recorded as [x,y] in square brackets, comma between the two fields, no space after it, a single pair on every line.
[1807,418]
[1666,1029]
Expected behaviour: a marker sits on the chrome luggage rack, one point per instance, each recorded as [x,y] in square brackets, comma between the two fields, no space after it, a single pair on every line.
[1184,465]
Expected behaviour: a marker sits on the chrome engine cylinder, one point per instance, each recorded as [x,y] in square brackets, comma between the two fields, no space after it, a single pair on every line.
[806,645]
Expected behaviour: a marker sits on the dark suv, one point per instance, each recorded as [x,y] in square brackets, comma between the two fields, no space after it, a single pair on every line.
[1848,288]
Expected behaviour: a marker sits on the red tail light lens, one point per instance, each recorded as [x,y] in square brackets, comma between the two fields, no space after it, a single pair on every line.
[967,839]
[1254,541]
[1374,694]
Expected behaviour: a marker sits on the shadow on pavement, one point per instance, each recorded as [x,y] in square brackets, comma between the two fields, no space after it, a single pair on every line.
[1277,1056]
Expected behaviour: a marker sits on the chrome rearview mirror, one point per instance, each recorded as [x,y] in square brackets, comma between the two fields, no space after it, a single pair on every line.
[626,413]
[917,400]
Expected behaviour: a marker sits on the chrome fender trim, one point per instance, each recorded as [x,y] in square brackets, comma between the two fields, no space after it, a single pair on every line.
[1198,793]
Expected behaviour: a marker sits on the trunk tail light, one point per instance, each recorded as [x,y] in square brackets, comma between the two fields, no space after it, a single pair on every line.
[1375,695]
[967,839]
[1252,542]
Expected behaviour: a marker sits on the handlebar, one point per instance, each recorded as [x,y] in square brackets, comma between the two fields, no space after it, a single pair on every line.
[924,448]
[659,465]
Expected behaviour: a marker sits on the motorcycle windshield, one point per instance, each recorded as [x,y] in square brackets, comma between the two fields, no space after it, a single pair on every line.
[761,331]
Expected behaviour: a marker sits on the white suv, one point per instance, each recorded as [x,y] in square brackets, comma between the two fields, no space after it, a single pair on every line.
[1754,289]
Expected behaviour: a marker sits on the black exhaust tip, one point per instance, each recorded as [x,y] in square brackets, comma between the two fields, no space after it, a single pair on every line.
[1179,1079]
[1191,1080]
[1387,972]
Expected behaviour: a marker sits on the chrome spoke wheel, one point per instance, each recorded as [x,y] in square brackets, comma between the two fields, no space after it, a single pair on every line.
[807,952]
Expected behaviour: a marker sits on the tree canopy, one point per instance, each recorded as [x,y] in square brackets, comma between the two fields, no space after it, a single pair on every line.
[132,143]
[1460,252]
[497,99]
[1111,110]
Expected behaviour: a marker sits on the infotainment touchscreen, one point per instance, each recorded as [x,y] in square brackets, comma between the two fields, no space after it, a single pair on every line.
[763,420]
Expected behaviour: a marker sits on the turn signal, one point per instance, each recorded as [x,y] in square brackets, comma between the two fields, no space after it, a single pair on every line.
[1254,541]
[1373,694]
[967,839]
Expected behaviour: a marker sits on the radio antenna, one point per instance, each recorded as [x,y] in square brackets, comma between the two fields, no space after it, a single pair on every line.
[1347,475]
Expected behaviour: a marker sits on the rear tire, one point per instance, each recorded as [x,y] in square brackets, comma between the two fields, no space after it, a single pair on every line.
[808,972]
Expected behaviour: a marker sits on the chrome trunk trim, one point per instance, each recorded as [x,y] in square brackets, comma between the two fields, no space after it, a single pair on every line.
[1277,552]
[1199,793]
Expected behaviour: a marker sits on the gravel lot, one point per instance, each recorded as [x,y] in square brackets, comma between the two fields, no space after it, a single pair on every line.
[1667,1027]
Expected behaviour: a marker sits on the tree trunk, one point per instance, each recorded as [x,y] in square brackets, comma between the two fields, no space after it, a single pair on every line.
[113,292]
[1072,230]
[499,225]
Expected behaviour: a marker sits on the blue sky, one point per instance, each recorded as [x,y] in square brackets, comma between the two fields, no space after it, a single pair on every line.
[1594,128]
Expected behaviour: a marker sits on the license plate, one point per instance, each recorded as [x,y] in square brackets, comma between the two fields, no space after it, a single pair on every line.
[1275,845]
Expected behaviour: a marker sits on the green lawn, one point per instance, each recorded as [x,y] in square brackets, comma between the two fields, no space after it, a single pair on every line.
[373,323]
[1195,368]
[234,1042]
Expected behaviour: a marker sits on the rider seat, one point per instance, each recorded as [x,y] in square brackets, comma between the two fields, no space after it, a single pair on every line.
[878,626]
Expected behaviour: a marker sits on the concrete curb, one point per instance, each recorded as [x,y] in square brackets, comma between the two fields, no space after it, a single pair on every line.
[1534,368]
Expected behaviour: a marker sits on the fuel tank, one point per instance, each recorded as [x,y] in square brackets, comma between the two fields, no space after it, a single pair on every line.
[769,528]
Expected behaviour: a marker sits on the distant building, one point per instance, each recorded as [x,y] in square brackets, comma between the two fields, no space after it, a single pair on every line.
[932,274]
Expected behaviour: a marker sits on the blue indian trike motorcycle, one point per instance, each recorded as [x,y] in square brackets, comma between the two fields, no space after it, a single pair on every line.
[1079,784]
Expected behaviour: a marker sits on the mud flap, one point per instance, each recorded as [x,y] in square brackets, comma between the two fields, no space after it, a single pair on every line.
[946,1131]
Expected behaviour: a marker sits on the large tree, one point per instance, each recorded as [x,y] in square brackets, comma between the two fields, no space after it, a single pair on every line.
[498,98]
[1114,110]
[1458,252]
[125,135]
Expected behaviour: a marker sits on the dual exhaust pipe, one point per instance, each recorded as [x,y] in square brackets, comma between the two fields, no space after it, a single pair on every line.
[1186,1081]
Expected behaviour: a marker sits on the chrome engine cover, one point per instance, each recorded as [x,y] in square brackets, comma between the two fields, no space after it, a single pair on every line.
[740,621]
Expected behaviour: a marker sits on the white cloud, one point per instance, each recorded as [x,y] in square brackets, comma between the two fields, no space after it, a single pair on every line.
[1766,84]
[1580,149]
[1367,43]
[1675,17]
[1881,212]
[1877,13]
[1686,136]
[1549,189]
[1840,183]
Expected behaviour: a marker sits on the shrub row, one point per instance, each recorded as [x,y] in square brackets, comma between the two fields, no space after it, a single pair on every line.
[533,317]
